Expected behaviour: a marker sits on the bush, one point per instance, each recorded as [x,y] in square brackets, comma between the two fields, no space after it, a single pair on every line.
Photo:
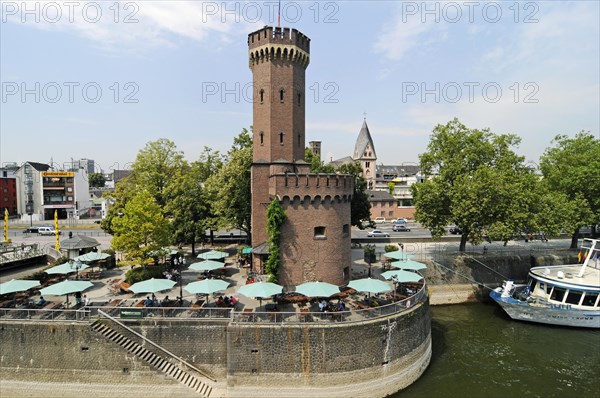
[390,248]
[140,274]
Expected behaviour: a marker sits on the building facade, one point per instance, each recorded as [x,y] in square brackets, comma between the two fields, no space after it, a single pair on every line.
[315,238]
[8,191]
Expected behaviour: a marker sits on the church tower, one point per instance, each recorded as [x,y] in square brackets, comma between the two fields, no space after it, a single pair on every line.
[364,152]
[315,238]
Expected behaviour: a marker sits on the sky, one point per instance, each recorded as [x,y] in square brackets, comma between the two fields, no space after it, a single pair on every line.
[100,79]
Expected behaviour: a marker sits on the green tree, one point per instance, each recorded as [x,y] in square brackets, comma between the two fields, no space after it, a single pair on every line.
[155,167]
[316,164]
[360,208]
[572,168]
[188,206]
[97,180]
[140,229]
[391,188]
[475,181]
[228,190]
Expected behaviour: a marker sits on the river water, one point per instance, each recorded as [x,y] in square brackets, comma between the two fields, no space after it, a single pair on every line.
[478,351]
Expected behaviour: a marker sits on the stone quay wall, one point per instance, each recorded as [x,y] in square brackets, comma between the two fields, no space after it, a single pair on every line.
[372,358]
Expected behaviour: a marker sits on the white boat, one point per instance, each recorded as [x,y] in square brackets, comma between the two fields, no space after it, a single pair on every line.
[566,295]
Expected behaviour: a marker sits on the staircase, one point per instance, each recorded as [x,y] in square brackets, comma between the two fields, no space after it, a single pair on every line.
[158,362]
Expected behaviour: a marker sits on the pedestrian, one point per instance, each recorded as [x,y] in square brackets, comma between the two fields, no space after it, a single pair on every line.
[78,298]
[70,234]
[86,300]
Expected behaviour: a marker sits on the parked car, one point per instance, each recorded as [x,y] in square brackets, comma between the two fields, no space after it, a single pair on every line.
[400,228]
[455,230]
[376,233]
[31,230]
[47,231]
[400,221]
[379,220]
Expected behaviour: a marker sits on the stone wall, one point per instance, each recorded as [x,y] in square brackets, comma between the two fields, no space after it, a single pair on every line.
[319,359]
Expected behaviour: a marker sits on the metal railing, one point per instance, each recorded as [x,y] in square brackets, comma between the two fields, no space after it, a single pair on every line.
[212,313]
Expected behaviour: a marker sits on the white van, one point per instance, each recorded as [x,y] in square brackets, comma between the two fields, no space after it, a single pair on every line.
[379,220]
[47,231]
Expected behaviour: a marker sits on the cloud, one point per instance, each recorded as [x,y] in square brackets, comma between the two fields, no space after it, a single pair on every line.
[126,25]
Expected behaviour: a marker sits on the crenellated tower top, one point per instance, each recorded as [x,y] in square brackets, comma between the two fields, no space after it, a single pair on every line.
[270,43]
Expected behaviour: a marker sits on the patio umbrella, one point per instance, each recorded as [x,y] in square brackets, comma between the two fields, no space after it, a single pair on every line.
[67,268]
[213,255]
[17,285]
[398,255]
[152,286]
[92,256]
[317,289]
[409,264]
[260,290]
[65,288]
[370,285]
[246,250]
[207,286]
[400,276]
[208,265]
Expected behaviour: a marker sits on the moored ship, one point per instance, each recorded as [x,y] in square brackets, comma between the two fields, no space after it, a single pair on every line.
[566,295]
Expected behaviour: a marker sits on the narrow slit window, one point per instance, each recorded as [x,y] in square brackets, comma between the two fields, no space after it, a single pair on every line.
[299,99]
[281,92]
[262,138]
[281,138]
[262,96]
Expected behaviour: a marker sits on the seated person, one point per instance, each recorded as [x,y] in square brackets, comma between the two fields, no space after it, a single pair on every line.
[165,302]
[148,302]
[233,301]
[341,306]
[179,301]
[220,301]
[374,302]
[322,306]
[41,302]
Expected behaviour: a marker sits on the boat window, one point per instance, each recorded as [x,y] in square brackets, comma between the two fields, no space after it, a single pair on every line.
[590,299]
[532,283]
[573,297]
[558,293]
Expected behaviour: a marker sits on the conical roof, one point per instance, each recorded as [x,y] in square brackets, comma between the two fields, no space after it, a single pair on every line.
[364,147]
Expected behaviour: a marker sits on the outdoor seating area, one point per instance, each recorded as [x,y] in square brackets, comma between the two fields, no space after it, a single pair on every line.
[217,286]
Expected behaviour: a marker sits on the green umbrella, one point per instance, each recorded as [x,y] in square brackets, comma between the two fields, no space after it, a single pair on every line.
[17,285]
[207,286]
[92,256]
[208,265]
[409,264]
[370,285]
[317,289]
[67,268]
[398,255]
[65,288]
[401,276]
[246,250]
[152,286]
[213,255]
[260,289]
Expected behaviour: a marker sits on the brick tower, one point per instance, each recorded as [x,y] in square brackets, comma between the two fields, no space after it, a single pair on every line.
[315,239]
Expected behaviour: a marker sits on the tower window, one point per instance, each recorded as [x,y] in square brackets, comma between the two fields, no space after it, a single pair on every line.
[299,139]
[346,229]
[367,164]
[262,138]
[320,232]
[281,138]
[281,92]
[262,96]
[299,99]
